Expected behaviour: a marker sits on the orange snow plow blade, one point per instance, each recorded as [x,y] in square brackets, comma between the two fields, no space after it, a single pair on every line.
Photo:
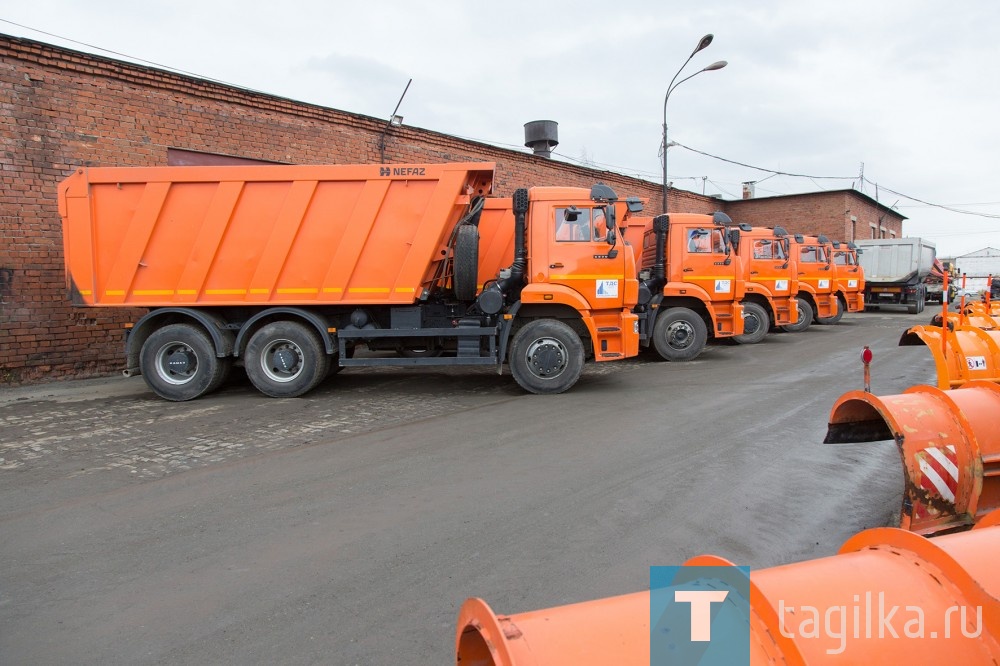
[952,581]
[949,442]
[974,316]
[965,354]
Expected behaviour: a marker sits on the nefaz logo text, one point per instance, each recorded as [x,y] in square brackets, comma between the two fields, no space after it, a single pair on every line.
[402,171]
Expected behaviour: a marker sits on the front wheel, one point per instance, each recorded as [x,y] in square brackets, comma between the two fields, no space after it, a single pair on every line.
[546,356]
[679,334]
[756,324]
[805,316]
[837,316]
[179,363]
[286,359]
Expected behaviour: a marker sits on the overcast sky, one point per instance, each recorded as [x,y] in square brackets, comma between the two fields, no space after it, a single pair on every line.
[906,88]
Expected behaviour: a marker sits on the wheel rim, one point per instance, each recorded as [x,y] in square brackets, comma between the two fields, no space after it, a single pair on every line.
[680,335]
[751,324]
[281,361]
[546,357]
[176,363]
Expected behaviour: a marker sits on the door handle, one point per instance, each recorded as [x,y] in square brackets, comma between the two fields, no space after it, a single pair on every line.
[688,270]
[557,265]
[753,272]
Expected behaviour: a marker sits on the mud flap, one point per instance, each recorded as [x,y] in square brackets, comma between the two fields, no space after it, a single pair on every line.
[949,442]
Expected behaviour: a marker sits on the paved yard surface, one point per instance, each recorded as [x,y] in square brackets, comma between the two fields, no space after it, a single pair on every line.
[348,526]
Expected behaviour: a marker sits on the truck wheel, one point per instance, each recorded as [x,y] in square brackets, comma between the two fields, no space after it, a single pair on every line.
[756,324]
[835,318]
[286,359]
[466,276]
[679,334]
[546,356]
[178,363]
[805,316]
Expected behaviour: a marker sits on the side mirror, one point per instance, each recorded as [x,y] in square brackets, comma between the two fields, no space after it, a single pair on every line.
[612,237]
[734,237]
[572,214]
[634,204]
[609,215]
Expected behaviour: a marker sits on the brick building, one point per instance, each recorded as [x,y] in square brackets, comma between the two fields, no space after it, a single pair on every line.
[63,109]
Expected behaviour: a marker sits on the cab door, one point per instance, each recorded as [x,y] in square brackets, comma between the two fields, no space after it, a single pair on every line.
[581,259]
[705,262]
[769,266]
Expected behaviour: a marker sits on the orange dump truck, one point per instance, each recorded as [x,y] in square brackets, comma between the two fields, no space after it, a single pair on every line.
[289,270]
[690,282]
[814,266]
[770,277]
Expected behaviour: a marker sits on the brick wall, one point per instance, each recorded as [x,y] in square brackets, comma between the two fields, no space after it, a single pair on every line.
[63,109]
[841,215]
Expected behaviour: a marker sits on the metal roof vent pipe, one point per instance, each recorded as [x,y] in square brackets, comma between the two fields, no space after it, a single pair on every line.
[541,136]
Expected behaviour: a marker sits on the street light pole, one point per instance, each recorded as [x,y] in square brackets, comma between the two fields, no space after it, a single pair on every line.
[705,41]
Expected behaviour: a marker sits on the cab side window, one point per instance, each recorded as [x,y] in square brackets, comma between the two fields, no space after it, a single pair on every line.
[706,241]
[574,230]
[811,254]
[762,249]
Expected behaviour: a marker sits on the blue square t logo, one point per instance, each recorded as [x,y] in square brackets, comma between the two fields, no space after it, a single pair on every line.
[699,616]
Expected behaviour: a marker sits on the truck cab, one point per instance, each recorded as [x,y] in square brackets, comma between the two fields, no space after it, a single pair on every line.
[770,278]
[691,283]
[814,268]
[849,280]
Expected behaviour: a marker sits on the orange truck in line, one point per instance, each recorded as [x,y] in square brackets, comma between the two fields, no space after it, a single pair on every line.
[816,299]
[690,285]
[771,280]
[850,280]
[288,270]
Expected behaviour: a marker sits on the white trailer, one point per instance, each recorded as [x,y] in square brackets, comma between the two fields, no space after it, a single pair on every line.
[895,269]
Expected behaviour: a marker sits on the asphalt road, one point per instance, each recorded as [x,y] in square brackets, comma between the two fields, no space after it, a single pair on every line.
[348,526]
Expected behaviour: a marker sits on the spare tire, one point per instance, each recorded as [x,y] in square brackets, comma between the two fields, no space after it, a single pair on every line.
[465,280]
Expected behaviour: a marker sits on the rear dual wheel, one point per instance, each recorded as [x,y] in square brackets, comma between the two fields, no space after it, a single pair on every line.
[286,359]
[178,363]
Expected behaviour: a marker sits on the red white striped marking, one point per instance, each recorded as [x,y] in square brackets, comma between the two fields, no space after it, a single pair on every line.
[939,471]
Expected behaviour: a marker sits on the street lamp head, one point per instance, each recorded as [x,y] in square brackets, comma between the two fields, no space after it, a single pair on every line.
[716,65]
[703,44]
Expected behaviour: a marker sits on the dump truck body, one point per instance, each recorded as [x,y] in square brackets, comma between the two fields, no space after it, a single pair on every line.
[699,293]
[816,298]
[291,269]
[895,269]
[771,280]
